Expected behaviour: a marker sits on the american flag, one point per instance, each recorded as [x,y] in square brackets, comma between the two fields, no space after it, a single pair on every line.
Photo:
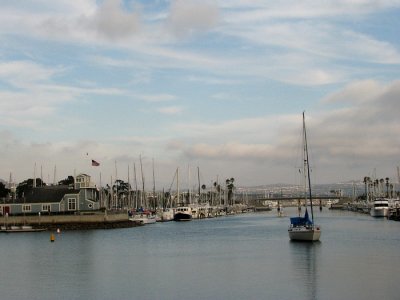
[95,163]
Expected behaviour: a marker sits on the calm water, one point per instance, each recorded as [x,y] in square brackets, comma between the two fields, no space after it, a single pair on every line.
[239,257]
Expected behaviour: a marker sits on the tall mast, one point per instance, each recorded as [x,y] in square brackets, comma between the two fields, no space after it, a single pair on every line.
[177,185]
[129,191]
[198,179]
[116,184]
[136,188]
[189,187]
[306,162]
[100,193]
[55,173]
[142,194]
[34,176]
[154,187]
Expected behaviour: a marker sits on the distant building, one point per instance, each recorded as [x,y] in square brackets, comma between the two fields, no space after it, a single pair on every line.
[82,196]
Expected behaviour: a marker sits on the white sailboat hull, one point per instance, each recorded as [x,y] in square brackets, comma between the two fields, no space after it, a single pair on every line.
[304,233]
[167,215]
[143,219]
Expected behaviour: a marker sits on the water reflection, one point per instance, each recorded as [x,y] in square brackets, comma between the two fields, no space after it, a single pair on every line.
[304,257]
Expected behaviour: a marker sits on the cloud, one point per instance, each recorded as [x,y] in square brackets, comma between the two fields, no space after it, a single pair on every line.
[243,11]
[157,98]
[113,22]
[170,110]
[189,16]
[25,73]
[349,139]
[30,98]
[230,151]
[356,92]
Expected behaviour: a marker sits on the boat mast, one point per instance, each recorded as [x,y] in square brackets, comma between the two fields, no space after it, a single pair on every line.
[154,188]
[177,186]
[129,191]
[136,187]
[142,195]
[198,179]
[308,167]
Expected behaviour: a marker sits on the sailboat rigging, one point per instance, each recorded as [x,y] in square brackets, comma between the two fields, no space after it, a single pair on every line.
[303,228]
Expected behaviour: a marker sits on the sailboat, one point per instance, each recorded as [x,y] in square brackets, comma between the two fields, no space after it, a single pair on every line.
[182,213]
[303,228]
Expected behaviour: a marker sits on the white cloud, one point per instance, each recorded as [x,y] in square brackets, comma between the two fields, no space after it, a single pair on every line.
[170,110]
[188,16]
[157,98]
[356,92]
[256,10]
[113,22]
[24,73]
[61,57]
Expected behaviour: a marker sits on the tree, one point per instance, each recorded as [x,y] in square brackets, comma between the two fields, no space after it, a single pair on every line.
[387,186]
[230,186]
[3,190]
[27,186]
[67,181]
[121,189]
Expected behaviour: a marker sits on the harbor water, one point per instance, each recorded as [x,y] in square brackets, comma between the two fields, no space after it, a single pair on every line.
[247,256]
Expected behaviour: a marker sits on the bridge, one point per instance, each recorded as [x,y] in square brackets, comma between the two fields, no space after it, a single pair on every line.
[293,198]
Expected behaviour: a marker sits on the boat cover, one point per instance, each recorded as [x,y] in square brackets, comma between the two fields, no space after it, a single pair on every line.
[299,221]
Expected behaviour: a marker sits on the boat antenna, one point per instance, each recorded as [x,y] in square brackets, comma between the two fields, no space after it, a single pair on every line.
[308,167]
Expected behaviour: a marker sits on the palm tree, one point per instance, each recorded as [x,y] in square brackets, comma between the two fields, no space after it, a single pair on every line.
[121,190]
[366,182]
[230,186]
[387,187]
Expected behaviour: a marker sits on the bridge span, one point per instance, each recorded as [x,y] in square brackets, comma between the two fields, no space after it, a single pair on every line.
[292,198]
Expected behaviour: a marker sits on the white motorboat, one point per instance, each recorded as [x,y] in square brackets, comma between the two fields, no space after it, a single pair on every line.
[380,208]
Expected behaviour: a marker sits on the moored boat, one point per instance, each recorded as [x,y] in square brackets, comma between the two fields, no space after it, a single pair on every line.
[23,228]
[380,208]
[167,215]
[303,228]
[143,218]
[183,213]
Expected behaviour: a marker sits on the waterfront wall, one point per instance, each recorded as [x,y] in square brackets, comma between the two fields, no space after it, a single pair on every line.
[96,220]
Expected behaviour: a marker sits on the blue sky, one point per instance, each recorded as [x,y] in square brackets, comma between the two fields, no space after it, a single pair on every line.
[219,85]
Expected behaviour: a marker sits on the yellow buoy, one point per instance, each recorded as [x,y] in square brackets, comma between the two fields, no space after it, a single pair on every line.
[52,237]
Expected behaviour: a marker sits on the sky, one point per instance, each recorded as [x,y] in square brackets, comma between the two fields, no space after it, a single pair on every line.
[217,87]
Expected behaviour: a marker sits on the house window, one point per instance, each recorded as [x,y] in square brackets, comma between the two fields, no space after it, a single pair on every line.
[71,204]
[46,207]
[26,208]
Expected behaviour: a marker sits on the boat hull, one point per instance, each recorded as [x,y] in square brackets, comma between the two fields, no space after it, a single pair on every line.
[20,229]
[380,208]
[304,234]
[182,217]
[379,212]
[143,219]
[167,216]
